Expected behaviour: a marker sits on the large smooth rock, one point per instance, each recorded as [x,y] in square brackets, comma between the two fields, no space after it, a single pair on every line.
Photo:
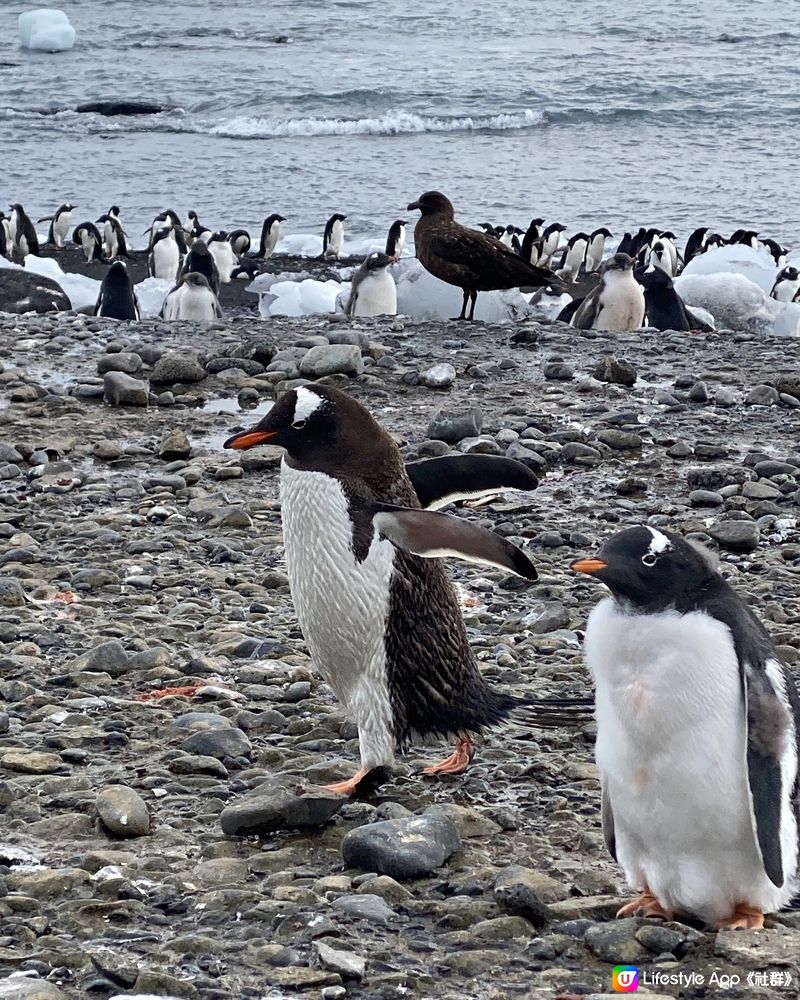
[173,368]
[403,848]
[332,359]
[22,291]
[30,989]
[738,536]
[123,811]
[454,427]
[120,389]
[11,593]
[270,808]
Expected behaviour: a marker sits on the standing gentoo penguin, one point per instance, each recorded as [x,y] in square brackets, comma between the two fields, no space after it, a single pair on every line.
[164,258]
[617,303]
[25,239]
[472,261]
[191,298]
[223,255]
[59,225]
[117,298]
[270,234]
[396,239]
[333,236]
[91,242]
[597,245]
[377,610]
[200,261]
[698,726]
[787,285]
[372,290]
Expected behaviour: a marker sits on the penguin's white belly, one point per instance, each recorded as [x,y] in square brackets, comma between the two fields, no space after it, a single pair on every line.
[335,241]
[166,259]
[786,291]
[342,605]
[621,305]
[60,230]
[377,296]
[671,750]
[223,258]
[190,303]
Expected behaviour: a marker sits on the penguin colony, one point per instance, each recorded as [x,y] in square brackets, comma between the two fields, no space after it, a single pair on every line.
[621,290]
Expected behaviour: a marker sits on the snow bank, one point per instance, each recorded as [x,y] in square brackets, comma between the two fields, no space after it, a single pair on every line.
[46,30]
[757,265]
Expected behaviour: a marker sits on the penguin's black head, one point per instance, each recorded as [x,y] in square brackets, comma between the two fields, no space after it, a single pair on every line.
[377,261]
[668,235]
[602,231]
[789,274]
[653,278]
[617,262]
[114,210]
[433,203]
[195,278]
[536,222]
[16,207]
[649,568]
[321,428]
[117,274]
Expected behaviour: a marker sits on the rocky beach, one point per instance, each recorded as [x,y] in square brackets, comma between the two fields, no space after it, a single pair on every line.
[163,732]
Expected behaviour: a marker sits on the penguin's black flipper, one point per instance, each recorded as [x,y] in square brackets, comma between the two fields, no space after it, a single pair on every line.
[772,722]
[552,713]
[433,535]
[607,823]
[440,481]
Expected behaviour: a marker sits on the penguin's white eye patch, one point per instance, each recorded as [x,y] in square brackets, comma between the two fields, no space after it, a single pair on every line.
[649,559]
[299,424]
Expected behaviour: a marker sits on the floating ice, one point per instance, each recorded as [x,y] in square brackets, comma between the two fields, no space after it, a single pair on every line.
[46,30]
[739,303]
[757,265]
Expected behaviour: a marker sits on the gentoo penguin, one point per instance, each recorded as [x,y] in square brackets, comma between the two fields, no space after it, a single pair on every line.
[164,258]
[373,291]
[596,248]
[197,231]
[87,235]
[270,234]
[25,239]
[114,240]
[396,239]
[239,239]
[617,303]
[59,225]
[333,236]
[778,252]
[192,298]
[550,240]
[200,261]
[223,255]
[696,244]
[117,298]
[787,285]
[698,726]
[574,256]
[374,602]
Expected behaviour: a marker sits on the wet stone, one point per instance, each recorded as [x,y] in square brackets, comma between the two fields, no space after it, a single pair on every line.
[123,811]
[120,389]
[270,808]
[738,536]
[403,848]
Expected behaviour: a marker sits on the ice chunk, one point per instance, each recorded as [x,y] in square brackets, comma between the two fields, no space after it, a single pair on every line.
[151,294]
[46,30]
[422,296]
[738,303]
[80,290]
[757,265]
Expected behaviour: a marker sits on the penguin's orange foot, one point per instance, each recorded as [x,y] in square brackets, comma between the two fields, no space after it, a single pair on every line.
[349,787]
[743,918]
[364,782]
[458,761]
[645,905]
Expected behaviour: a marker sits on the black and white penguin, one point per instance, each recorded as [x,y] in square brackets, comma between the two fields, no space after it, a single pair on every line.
[488,228]
[164,258]
[660,257]
[5,242]
[197,231]
[396,239]
[778,252]
[59,225]
[696,244]
[333,236]
[24,233]
[117,299]
[270,234]
[616,303]
[191,298]
[224,257]
[114,238]
[168,219]
[374,602]
[551,237]
[787,285]
[714,241]
[239,239]
[745,237]
[596,248]
[626,245]
[200,261]
[574,256]
[531,241]
[698,726]
[88,237]
[507,236]
[373,291]
[664,307]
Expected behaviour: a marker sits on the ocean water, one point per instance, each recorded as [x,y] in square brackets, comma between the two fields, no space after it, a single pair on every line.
[601,113]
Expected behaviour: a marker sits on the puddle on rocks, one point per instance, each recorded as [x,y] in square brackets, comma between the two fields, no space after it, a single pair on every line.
[214,438]
[231,405]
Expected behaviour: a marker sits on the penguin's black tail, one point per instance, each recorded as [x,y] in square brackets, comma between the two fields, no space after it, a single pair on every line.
[553,713]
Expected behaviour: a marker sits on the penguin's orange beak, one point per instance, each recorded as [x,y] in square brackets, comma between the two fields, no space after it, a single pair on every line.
[590,566]
[249,439]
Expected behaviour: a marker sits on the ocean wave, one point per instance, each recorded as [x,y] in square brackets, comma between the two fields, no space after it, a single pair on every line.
[390,123]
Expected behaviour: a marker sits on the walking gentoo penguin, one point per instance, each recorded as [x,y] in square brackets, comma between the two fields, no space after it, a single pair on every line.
[596,248]
[333,236]
[696,244]
[87,235]
[373,599]
[25,239]
[117,298]
[200,261]
[787,285]
[617,303]
[270,234]
[59,225]
[223,255]
[396,239]
[239,239]
[191,298]
[164,258]
[698,726]
[373,291]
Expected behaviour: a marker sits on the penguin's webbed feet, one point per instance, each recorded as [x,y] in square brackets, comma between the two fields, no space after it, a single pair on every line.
[743,918]
[458,761]
[645,905]
[364,782]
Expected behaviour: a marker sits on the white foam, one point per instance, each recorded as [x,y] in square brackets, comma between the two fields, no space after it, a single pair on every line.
[46,30]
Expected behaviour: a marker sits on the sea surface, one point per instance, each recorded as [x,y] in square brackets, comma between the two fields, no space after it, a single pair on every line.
[600,113]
